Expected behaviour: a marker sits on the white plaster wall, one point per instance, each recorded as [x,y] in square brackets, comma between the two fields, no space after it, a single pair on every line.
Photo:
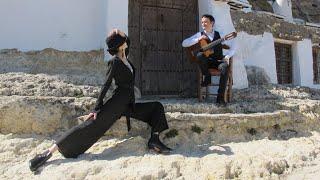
[205,7]
[244,1]
[284,8]
[304,69]
[258,51]
[224,24]
[220,11]
[64,25]
[295,65]
[116,17]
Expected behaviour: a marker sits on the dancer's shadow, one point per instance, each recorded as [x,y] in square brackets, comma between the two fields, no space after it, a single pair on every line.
[131,147]
[202,150]
[136,147]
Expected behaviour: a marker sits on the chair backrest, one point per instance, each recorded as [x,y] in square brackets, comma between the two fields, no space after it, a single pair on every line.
[214,71]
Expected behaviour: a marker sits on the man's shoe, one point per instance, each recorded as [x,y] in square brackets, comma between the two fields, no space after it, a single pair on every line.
[222,104]
[220,101]
[158,146]
[39,160]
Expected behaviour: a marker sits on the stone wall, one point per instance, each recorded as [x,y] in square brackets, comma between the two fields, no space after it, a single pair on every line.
[308,10]
[255,23]
[71,66]
[261,5]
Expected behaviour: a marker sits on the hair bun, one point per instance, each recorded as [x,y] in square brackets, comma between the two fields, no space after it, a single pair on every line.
[114,41]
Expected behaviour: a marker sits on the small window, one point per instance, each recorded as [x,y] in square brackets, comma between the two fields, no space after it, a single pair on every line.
[283,63]
[316,64]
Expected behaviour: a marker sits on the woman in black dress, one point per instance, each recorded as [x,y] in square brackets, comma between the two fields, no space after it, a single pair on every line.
[122,103]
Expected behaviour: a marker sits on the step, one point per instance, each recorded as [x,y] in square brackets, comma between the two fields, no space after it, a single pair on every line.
[45,114]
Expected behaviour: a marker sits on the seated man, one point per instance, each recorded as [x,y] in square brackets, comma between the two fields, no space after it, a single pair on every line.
[215,60]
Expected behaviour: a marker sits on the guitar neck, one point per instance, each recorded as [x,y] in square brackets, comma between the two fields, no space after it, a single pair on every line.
[210,45]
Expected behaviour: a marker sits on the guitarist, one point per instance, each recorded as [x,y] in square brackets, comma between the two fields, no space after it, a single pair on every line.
[216,60]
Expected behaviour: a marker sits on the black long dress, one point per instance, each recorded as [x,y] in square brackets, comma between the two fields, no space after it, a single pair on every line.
[81,137]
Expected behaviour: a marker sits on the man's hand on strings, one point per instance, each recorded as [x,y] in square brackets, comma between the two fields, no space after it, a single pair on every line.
[202,37]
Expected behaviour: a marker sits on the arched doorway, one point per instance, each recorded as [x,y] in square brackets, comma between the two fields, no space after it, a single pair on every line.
[157,29]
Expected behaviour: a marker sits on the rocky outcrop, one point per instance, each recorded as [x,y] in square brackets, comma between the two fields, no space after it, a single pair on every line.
[23,84]
[260,5]
[51,105]
[257,76]
[267,131]
[42,115]
[74,67]
[128,158]
[308,10]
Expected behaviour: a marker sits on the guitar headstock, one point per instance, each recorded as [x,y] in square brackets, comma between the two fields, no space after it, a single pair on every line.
[230,36]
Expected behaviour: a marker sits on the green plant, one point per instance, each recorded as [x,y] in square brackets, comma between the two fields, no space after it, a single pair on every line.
[172,133]
[196,129]
[79,94]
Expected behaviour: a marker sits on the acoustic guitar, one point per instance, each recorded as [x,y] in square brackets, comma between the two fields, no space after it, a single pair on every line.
[205,46]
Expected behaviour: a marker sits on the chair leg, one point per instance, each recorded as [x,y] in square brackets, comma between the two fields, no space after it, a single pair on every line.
[225,96]
[207,92]
[228,92]
[230,89]
[200,98]
[230,83]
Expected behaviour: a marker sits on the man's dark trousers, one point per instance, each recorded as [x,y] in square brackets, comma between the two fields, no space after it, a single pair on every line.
[208,62]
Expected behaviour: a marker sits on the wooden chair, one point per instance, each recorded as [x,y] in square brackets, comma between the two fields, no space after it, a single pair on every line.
[216,72]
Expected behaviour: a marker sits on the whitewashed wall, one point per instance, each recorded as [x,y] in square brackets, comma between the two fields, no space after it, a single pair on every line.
[116,17]
[65,25]
[295,64]
[304,70]
[258,51]
[284,8]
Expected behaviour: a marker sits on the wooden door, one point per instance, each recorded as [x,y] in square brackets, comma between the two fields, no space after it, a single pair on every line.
[283,63]
[157,29]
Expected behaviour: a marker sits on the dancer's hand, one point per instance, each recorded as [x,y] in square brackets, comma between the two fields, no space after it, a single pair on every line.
[118,31]
[121,33]
[92,116]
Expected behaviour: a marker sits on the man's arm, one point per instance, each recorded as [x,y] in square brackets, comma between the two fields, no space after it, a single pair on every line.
[106,85]
[191,40]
